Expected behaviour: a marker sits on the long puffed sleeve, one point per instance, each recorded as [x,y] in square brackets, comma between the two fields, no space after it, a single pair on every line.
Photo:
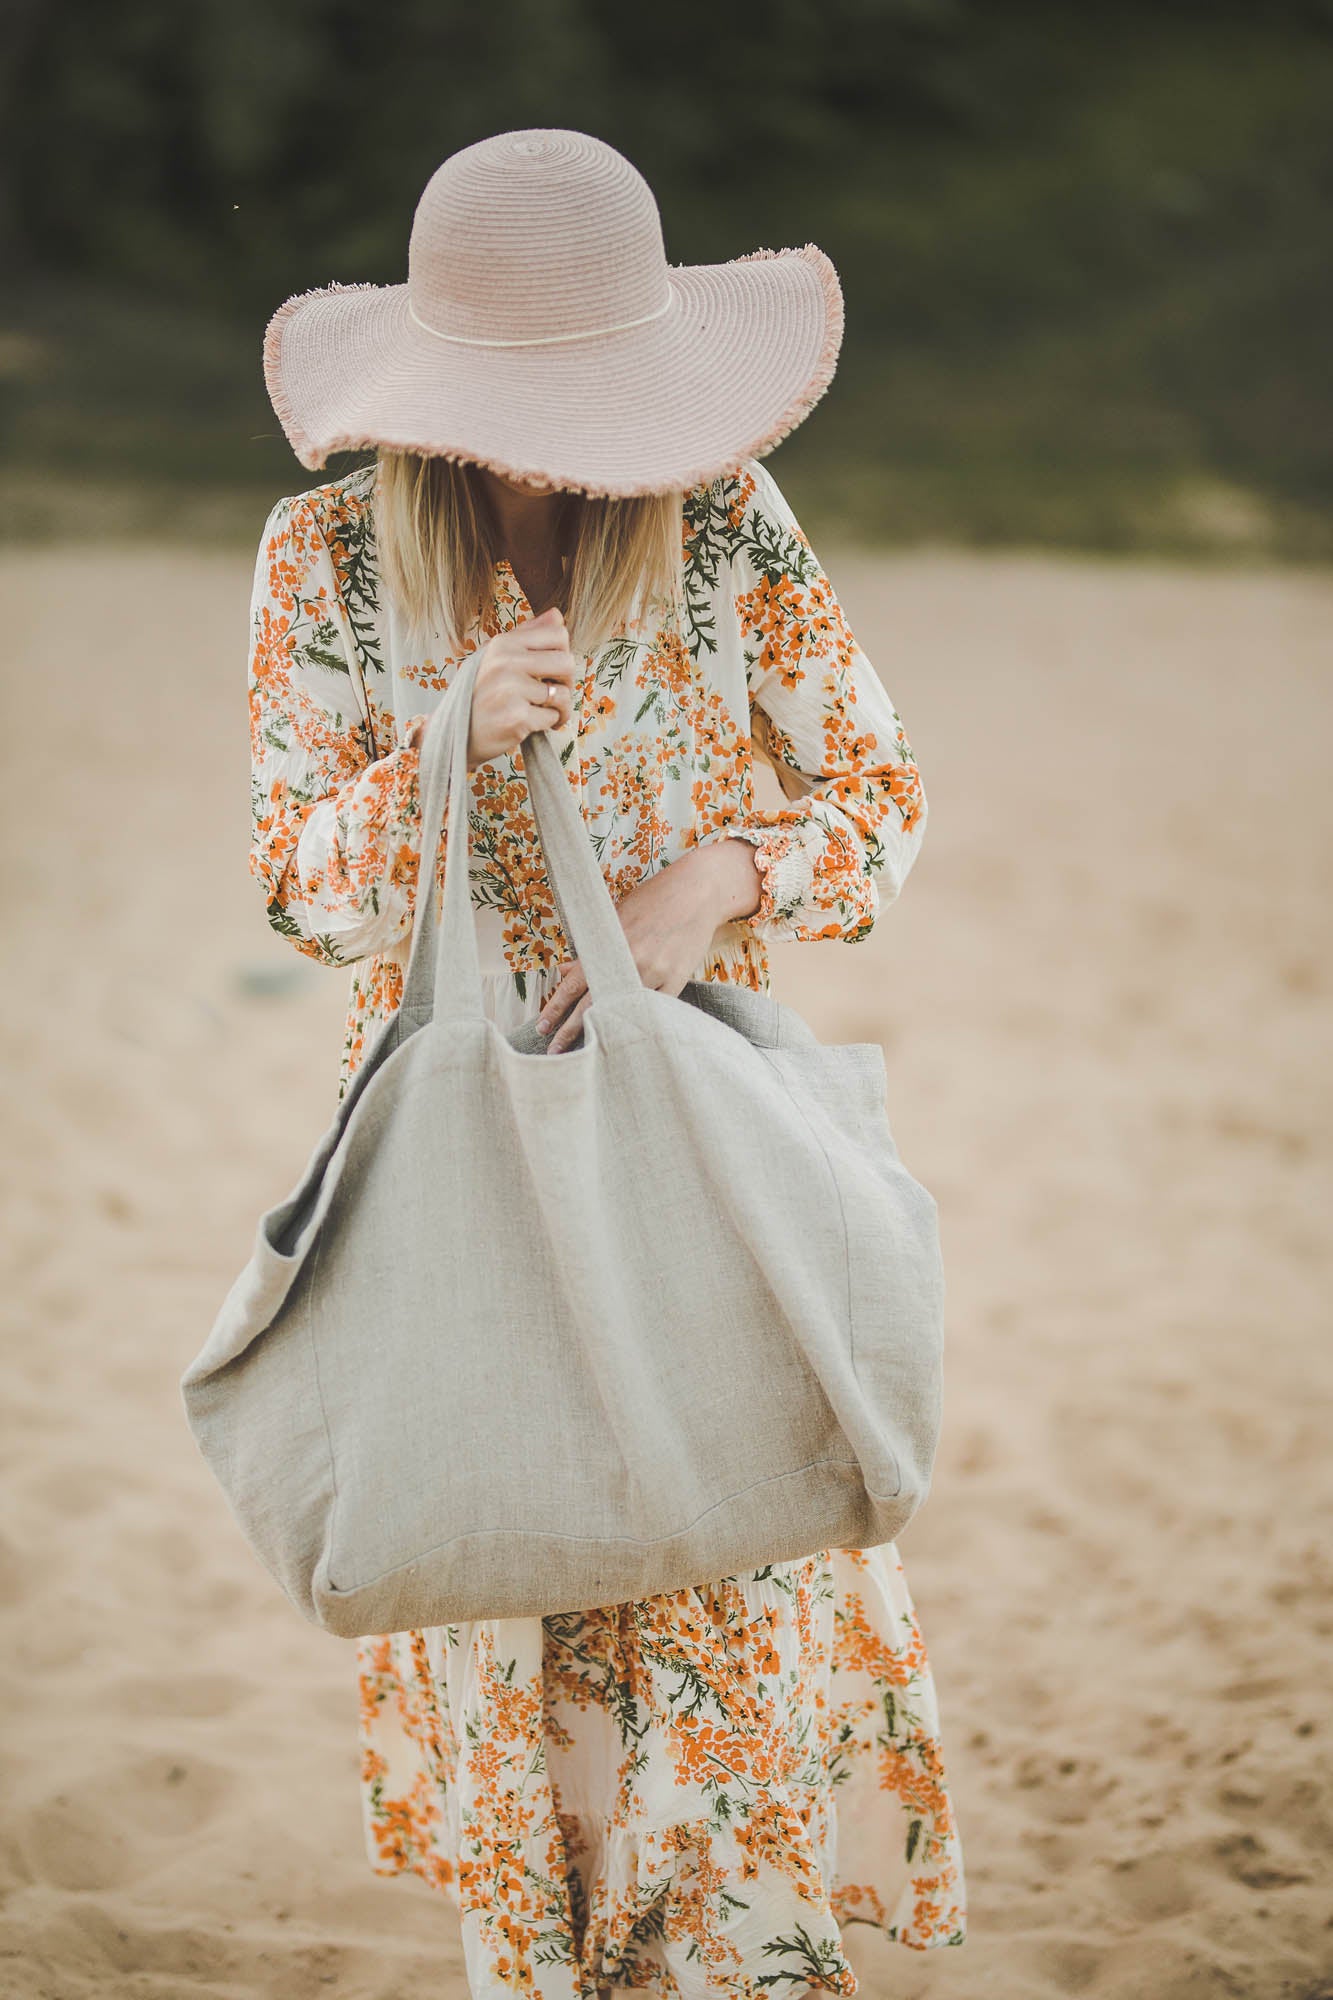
[821,716]
[336,837]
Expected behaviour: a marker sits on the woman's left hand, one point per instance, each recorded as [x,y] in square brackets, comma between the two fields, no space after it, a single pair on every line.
[670,919]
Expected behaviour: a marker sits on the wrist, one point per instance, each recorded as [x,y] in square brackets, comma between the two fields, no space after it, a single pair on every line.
[736,873]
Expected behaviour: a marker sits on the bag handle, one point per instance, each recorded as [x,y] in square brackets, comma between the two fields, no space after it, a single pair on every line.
[434,770]
[443,977]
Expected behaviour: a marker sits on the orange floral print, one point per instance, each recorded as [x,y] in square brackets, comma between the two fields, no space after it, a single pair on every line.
[692,1794]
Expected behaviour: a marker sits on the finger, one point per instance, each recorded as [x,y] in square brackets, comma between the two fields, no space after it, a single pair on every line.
[544,717]
[543,690]
[562,996]
[554,698]
[549,690]
[548,630]
[532,711]
[570,990]
[543,638]
[555,1006]
[569,1030]
[543,667]
[557,711]
[546,689]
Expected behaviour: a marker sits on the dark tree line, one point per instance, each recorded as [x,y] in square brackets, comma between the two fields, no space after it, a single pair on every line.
[1083,248]
[221,151]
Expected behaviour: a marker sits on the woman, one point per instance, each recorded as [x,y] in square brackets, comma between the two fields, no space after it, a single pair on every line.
[692,1793]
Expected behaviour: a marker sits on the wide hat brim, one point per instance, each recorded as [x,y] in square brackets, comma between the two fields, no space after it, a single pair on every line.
[741,356]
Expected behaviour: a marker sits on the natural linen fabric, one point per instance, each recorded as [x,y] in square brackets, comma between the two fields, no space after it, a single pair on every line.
[642,1796]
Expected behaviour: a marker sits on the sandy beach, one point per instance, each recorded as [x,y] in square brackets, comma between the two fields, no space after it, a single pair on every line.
[1104,998]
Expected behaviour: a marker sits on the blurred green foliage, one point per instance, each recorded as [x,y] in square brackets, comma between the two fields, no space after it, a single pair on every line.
[1085,252]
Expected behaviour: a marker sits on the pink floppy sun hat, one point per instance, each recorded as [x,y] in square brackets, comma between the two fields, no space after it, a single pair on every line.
[541,332]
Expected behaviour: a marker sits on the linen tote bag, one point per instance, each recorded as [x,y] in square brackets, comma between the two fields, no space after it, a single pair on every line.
[537,1333]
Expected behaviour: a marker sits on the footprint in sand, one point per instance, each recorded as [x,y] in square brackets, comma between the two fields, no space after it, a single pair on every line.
[1155,1887]
[195,1960]
[89,1835]
[1066,1790]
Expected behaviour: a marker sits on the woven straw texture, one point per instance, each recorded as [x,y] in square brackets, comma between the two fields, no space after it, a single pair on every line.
[541,330]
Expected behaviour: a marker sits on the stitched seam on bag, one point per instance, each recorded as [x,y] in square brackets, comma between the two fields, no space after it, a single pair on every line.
[319,1386]
[600,1541]
[847,1254]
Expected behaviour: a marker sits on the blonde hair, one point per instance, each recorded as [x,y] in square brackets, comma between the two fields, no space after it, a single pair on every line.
[438,544]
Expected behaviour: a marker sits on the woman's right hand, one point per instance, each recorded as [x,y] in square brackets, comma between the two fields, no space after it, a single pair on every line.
[509,693]
[525,682]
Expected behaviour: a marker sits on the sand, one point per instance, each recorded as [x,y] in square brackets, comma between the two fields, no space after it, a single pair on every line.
[1104,999]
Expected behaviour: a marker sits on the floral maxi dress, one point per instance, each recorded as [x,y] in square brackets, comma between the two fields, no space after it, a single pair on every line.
[690,1794]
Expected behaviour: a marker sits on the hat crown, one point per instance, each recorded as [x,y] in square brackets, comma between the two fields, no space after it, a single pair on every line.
[535,235]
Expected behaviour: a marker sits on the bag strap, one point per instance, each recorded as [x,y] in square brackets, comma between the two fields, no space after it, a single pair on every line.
[443,978]
[433,774]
